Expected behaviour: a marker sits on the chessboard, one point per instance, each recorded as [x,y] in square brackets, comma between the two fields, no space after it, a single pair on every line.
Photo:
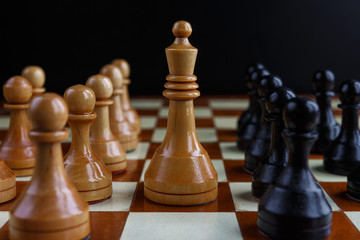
[129,215]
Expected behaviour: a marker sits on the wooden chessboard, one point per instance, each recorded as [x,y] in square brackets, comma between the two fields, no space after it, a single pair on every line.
[128,215]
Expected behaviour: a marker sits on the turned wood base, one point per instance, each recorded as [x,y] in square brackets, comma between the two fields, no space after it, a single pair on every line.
[8,194]
[97,195]
[22,172]
[181,199]
[81,231]
[129,143]
[117,168]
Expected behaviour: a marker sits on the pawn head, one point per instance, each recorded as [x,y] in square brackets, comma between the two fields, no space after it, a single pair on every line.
[114,73]
[268,84]
[252,67]
[124,67]
[17,90]
[101,85]
[35,75]
[349,92]
[278,99]
[252,79]
[48,112]
[301,115]
[80,99]
[182,29]
[323,80]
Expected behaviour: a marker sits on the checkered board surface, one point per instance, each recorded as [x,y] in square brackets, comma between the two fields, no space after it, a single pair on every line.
[128,215]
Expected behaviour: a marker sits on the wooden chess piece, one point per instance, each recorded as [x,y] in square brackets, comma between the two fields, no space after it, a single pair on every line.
[328,128]
[50,206]
[7,183]
[85,170]
[36,76]
[17,150]
[260,145]
[343,155]
[180,171]
[247,131]
[102,141]
[274,163]
[129,111]
[119,124]
[295,206]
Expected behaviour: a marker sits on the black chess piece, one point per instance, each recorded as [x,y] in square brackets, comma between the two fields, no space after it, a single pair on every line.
[295,206]
[343,154]
[254,107]
[328,129]
[274,163]
[247,132]
[260,145]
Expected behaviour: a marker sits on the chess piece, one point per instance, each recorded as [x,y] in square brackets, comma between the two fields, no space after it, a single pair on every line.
[17,150]
[260,145]
[343,155]
[274,163]
[328,128]
[295,206]
[7,183]
[104,144]
[250,121]
[50,206]
[119,124]
[180,171]
[36,76]
[85,170]
[129,111]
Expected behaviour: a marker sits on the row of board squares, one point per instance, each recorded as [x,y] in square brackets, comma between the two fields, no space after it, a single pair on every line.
[232,216]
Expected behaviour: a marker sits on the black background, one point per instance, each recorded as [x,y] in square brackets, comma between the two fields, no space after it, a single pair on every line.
[72,40]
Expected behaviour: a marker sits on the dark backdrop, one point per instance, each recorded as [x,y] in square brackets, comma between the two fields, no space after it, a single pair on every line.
[71,41]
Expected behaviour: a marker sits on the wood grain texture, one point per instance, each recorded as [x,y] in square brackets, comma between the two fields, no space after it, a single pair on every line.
[130,113]
[180,171]
[84,168]
[17,150]
[50,206]
[119,124]
[102,140]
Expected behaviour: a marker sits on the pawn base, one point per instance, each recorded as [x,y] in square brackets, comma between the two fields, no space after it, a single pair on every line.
[342,168]
[23,172]
[8,194]
[97,194]
[181,199]
[117,168]
[81,231]
[293,228]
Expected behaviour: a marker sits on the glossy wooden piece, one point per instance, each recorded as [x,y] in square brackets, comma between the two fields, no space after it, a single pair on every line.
[120,126]
[249,122]
[295,206]
[343,155]
[84,168]
[7,183]
[270,167]
[50,207]
[102,140]
[17,150]
[180,171]
[260,145]
[36,76]
[328,129]
[129,111]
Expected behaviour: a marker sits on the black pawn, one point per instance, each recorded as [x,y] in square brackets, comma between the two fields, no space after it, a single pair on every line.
[274,163]
[295,206]
[253,113]
[328,129]
[247,132]
[343,155]
[260,145]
